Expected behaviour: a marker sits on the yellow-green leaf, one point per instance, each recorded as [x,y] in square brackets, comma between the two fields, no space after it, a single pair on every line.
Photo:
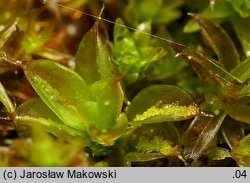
[241,153]
[152,141]
[35,112]
[160,103]
[6,100]
[7,31]
[238,111]
[109,100]
[217,153]
[92,59]
[142,157]
[242,70]
[63,91]
[241,27]
[108,137]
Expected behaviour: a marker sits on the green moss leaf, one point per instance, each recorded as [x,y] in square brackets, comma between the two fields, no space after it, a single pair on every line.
[241,26]
[169,12]
[32,43]
[242,70]
[142,8]
[63,90]
[85,59]
[142,157]
[241,6]
[92,59]
[157,144]
[217,153]
[93,63]
[221,10]
[108,137]
[241,153]
[6,100]
[232,132]
[7,31]
[160,11]
[109,99]
[150,142]
[35,112]
[191,26]
[109,123]
[238,111]
[160,103]
[133,53]
[46,151]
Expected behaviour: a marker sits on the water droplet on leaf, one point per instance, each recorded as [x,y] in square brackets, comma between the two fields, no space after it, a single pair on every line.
[3,55]
[216,112]
[177,55]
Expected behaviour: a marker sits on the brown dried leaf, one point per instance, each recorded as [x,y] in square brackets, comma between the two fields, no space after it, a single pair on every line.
[199,135]
[220,42]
